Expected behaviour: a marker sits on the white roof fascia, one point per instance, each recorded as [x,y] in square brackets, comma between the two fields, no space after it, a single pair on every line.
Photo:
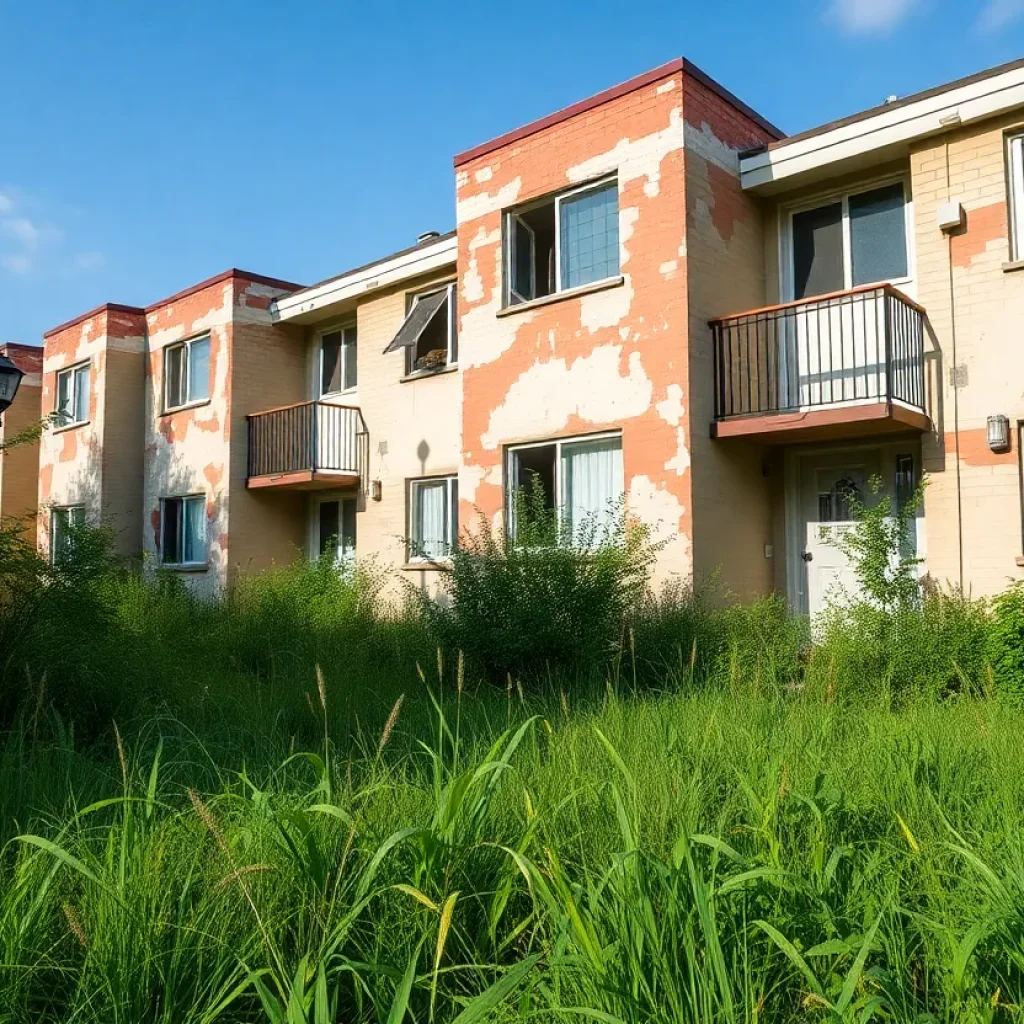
[389,271]
[958,106]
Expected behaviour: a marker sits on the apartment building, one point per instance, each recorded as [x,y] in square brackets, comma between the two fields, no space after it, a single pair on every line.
[19,466]
[652,296]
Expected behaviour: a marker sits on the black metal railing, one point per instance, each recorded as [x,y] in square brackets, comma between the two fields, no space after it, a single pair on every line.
[862,345]
[310,436]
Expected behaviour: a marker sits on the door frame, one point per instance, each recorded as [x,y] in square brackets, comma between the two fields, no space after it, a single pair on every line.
[793,459]
[313,545]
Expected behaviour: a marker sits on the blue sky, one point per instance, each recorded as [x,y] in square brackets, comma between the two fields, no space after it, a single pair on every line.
[147,146]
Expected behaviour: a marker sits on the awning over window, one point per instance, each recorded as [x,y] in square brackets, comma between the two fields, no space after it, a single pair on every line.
[422,312]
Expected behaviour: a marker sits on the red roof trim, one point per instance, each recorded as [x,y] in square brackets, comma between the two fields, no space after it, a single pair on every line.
[680,64]
[227,275]
[107,307]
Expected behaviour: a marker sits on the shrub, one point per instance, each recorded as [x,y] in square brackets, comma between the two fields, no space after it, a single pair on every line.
[551,600]
[1006,641]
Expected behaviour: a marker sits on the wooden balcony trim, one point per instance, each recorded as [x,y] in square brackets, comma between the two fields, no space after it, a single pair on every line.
[773,426]
[813,300]
[305,479]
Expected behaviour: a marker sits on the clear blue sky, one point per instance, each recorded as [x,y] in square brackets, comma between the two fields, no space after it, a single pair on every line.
[146,146]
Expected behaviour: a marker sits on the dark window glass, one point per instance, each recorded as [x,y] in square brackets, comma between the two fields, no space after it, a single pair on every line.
[170,540]
[330,526]
[818,251]
[878,235]
[330,376]
[348,358]
[348,527]
[175,369]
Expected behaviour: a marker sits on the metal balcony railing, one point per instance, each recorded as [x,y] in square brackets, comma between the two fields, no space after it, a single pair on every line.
[857,346]
[315,437]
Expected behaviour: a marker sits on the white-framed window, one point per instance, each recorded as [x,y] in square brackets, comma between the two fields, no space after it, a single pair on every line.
[429,334]
[337,370]
[853,238]
[73,395]
[580,479]
[63,523]
[1015,189]
[187,372]
[561,242]
[183,530]
[336,529]
[433,518]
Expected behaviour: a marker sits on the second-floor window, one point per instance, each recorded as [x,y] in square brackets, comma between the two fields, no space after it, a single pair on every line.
[1015,168]
[338,360]
[183,530]
[560,242]
[187,372]
[73,395]
[854,239]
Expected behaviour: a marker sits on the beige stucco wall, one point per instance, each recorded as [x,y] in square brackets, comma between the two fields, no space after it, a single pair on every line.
[414,426]
[732,520]
[973,503]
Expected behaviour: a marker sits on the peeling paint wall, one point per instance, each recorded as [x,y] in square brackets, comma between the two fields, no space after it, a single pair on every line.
[974,486]
[732,516]
[19,467]
[614,358]
[96,464]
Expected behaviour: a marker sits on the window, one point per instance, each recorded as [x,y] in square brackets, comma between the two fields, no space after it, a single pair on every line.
[433,518]
[581,480]
[187,372]
[430,332]
[336,529]
[63,524]
[183,530]
[1015,183]
[564,241]
[338,360]
[857,239]
[73,395]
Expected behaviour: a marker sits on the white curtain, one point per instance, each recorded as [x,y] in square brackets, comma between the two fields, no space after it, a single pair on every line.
[194,543]
[431,516]
[592,486]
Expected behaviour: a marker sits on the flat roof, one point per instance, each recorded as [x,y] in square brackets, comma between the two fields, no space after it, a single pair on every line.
[632,84]
[117,307]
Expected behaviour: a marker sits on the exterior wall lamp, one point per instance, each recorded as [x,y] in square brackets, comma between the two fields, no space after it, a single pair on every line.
[10,381]
[998,428]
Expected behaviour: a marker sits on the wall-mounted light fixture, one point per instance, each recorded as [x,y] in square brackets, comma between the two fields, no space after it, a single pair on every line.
[10,378]
[376,490]
[998,433]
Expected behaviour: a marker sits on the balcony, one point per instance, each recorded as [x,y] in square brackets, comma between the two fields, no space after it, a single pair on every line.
[844,365]
[307,446]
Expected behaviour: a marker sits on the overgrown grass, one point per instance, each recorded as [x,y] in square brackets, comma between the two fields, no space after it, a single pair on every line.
[292,805]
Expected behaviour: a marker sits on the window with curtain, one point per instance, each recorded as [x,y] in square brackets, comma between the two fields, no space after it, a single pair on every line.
[1015,192]
[338,361]
[581,479]
[73,395]
[187,372]
[433,518]
[562,241]
[183,530]
[859,238]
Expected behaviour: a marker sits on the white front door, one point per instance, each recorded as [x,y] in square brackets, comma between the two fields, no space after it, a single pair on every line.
[829,484]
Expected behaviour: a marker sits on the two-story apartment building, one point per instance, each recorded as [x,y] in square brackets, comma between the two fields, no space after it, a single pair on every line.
[650,297]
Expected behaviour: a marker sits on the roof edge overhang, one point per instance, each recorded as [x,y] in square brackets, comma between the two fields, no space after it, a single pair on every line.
[312,303]
[883,132]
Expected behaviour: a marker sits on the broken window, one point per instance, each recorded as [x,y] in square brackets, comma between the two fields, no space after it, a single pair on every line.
[561,242]
[429,333]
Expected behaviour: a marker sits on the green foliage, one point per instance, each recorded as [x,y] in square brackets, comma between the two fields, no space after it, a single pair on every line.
[1006,641]
[879,547]
[551,600]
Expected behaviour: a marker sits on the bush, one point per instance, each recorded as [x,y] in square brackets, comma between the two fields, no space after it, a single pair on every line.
[550,601]
[1006,641]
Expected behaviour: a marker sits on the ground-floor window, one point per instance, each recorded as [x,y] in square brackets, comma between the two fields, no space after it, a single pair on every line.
[63,523]
[433,518]
[336,528]
[183,530]
[579,481]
